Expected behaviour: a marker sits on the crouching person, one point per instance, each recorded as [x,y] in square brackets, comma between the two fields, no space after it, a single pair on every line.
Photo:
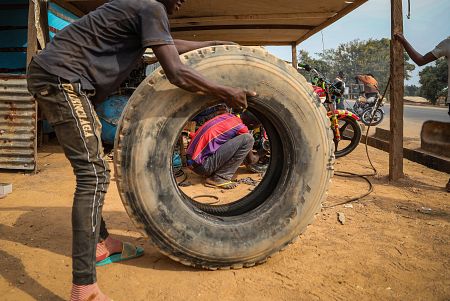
[218,148]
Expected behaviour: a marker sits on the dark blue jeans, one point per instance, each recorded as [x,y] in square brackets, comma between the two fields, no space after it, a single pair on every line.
[68,109]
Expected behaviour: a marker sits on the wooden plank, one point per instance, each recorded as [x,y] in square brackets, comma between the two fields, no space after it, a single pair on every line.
[37,17]
[32,34]
[70,7]
[255,17]
[396,93]
[243,26]
[243,36]
[44,20]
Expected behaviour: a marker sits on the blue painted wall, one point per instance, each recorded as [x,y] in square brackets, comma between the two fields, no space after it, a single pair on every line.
[15,61]
[58,18]
[13,37]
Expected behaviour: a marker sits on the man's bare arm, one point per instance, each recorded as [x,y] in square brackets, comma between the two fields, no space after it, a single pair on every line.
[413,54]
[185,46]
[188,79]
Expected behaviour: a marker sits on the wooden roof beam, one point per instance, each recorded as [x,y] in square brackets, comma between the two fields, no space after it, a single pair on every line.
[243,26]
[70,7]
[263,17]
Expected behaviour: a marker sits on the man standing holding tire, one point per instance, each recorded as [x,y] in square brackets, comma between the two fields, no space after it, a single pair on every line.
[82,65]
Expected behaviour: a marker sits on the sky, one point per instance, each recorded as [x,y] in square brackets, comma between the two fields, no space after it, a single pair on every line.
[429,24]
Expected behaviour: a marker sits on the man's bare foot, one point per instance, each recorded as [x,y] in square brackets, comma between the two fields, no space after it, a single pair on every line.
[217,182]
[89,292]
[108,247]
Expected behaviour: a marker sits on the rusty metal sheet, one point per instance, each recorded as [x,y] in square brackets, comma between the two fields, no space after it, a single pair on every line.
[17,125]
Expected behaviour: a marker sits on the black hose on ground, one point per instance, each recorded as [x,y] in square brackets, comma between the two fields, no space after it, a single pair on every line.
[348,174]
[179,173]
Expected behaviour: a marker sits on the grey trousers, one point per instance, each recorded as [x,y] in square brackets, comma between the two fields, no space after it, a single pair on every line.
[68,109]
[226,160]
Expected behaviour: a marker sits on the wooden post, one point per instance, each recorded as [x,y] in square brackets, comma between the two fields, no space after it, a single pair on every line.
[32,47]
[32,34]
[294,55]
[396,93]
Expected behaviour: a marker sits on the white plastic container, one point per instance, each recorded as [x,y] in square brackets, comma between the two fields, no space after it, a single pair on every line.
[5,188]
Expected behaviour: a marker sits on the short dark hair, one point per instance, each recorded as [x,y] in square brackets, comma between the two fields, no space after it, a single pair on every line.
[250,120]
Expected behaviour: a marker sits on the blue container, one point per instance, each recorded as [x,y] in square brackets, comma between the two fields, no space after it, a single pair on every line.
[109,113]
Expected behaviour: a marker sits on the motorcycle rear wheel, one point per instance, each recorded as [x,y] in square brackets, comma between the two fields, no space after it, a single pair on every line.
[367,115]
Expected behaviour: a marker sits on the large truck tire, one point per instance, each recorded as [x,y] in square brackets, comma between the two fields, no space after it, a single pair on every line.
[247,231]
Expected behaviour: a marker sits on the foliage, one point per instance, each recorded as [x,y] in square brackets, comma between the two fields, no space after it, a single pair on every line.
[412,90]
[356,57]
[434,80]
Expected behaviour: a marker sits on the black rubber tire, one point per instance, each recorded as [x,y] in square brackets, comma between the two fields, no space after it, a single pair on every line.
[367,114]
[247,231]
[356,129]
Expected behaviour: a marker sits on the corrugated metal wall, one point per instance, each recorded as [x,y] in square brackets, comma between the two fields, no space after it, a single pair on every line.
[17,108]
[17,125]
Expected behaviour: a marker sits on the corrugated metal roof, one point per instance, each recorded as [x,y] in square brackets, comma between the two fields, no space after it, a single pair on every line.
[17,125]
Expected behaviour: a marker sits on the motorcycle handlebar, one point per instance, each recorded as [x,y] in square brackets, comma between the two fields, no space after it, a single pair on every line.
[305,66]
[308,68]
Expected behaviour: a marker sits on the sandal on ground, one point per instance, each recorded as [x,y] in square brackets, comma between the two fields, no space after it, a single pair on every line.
[225,185]
[129,251]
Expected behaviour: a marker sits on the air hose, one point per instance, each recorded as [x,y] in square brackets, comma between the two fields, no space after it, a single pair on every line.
[347,174]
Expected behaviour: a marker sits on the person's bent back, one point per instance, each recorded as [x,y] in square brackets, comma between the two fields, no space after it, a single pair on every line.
[218,148]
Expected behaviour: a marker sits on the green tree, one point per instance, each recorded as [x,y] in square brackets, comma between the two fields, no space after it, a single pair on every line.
[318,64]
[411,90]
[357,57]
[434,80]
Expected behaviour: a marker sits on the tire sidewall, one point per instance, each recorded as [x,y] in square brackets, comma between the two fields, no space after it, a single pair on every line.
[152,122]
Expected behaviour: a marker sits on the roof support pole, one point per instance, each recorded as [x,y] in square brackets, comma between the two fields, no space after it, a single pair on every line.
[294,55]
[396,95]
[32,33]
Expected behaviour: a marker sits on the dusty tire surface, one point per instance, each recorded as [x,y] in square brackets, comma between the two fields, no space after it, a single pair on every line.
[247,231]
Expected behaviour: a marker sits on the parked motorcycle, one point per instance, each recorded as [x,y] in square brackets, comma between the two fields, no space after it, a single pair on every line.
[364,108]
[345,126]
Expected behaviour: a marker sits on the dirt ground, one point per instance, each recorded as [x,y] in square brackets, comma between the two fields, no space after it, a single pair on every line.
[394,244]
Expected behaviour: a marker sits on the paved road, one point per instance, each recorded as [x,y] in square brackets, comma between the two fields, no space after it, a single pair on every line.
[414,116]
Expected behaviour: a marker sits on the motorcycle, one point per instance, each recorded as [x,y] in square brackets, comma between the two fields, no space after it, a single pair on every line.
[364,108]
[345,126]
